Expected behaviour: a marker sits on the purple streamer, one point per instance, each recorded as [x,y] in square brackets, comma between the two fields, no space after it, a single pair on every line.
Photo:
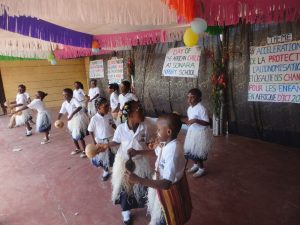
[37,28]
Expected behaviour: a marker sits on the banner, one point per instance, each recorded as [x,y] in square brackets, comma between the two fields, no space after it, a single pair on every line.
[96,69]
[182,62]
[275,71]
[115,70]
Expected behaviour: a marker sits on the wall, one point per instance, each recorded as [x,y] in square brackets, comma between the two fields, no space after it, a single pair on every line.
[40,75]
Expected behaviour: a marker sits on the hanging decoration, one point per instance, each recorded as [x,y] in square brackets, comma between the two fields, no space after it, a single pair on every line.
[190,38]
[70,52]
[198,25]
[11,58]
[184,8]
[95,47]
[95,12]
[51,58]
[40,29]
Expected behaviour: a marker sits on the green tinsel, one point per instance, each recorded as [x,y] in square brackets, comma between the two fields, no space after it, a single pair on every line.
[11,58]
[214,30]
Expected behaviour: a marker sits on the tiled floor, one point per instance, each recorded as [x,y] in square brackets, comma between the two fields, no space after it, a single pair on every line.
[249,182]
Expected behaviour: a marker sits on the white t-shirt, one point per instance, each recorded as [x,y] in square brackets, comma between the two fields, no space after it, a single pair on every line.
[114,101]
[126,98]
[27,96]
[93,92]
[197,112]
[101,126]
[69,107]
[128,139]
[172,161]
[21,99]
[78,94]
[37,104]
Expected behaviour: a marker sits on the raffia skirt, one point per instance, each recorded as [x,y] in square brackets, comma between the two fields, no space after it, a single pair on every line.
[78,125]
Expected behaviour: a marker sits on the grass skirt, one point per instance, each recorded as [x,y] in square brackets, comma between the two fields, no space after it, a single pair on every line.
[92,108]
[104,159]
[78,126]
[142,170]
[198,141]
[43,121]
[154,207]
[23,118]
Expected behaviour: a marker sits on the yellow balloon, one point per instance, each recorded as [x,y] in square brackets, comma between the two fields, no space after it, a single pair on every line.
[190,38]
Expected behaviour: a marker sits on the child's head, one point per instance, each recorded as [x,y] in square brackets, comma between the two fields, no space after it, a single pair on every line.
[67,94]
[93,83]
[78,85]
[102,105]
[194,96]
[113,87]
[40,95]
[21,88]
[168,126]
[125,86]
[133,111]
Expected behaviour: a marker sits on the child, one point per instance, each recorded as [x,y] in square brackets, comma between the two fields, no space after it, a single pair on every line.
[23,117]
[77,120]
[170,167]
[43,121]
[125,95]
[198,139]
[131,134]
[94,92]
[101,128]
[78,93]
[114,99]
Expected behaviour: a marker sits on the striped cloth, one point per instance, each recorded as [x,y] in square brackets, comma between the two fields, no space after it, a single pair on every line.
[176,202]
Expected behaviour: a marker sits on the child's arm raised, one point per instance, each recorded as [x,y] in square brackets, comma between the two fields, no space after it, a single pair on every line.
[157,184]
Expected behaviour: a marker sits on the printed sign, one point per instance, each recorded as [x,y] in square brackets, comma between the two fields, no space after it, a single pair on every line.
[115,70]
[182,62]
[96,69]
[275,71]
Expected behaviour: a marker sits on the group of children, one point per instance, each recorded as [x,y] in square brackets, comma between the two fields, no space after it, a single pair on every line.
[124,136]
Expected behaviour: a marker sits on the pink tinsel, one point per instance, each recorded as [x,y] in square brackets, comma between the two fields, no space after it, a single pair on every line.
[230,12]
[69,52]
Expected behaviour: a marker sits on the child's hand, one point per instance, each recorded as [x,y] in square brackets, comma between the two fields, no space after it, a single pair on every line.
[131,152]
[153,144]
[131,177]
[102,147]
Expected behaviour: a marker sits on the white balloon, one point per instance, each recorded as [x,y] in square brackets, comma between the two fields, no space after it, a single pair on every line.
[199,25]
[95,50]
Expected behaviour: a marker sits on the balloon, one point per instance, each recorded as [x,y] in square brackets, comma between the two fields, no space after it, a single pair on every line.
[53,62]
[199,25]
[190,38]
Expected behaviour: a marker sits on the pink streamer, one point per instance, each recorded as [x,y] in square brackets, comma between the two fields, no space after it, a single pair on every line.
[230,12]
[69,52]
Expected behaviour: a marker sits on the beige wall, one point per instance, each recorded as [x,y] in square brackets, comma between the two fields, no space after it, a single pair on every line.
[41,75]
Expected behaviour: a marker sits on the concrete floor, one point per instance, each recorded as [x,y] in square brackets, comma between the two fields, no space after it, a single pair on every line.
[249,182]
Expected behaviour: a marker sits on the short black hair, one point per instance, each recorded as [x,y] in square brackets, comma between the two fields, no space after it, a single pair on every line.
[113,86]
[68,91]
[174,122]
[127,84]
[128,108]
[79,84]
[93,80]
[100,101]
[22,86]
[196,92]
[42,94]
